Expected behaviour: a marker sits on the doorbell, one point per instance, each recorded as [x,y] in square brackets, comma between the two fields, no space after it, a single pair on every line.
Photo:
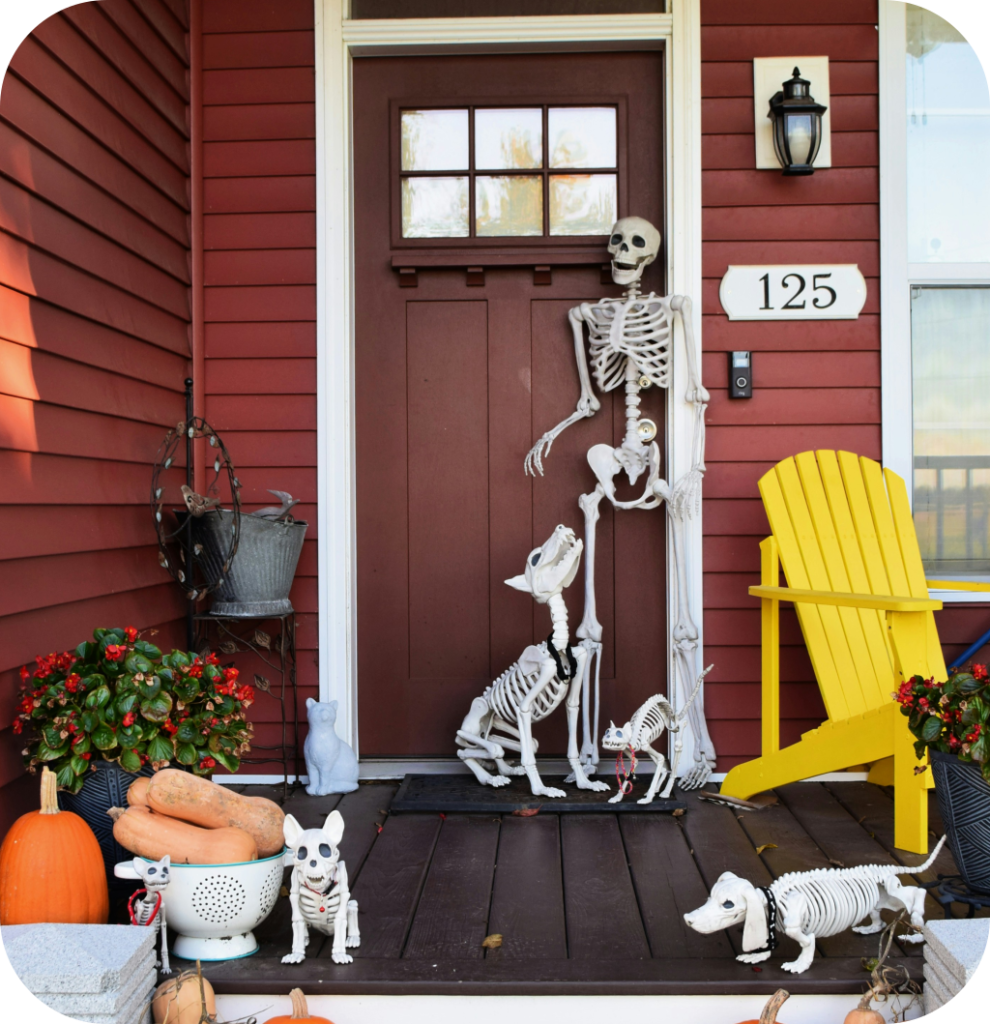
[740,375]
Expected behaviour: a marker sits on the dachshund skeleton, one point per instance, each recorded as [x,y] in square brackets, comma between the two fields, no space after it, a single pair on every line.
[630,343]
[809,905]
[149,911]
[318,893]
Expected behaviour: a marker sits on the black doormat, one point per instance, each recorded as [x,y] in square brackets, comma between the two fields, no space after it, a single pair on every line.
[463,794]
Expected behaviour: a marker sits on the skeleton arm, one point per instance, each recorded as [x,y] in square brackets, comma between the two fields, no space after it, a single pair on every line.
[587,404]
[339,953]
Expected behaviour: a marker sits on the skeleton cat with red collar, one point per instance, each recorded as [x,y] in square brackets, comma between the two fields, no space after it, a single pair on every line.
[318,893]
[149,912]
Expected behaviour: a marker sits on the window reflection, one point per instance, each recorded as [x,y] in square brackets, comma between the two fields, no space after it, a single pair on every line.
[582,137]
[509,205]
[434,140]
[435,208]
[505,139]
[582,204]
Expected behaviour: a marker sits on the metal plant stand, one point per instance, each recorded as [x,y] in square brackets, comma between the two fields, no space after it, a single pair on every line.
[277,651]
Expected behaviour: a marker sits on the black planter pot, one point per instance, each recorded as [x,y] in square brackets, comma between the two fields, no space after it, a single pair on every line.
[964,803]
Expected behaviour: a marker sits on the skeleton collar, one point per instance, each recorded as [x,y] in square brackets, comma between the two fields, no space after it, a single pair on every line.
[771,943]
[562,673]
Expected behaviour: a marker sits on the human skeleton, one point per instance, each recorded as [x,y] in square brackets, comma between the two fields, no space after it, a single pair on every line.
[630,343]
[810,905]
[318,893]
[535,686]
[642,730]
[149,911]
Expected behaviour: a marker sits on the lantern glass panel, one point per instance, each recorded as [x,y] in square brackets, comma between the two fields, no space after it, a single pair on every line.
[800,137]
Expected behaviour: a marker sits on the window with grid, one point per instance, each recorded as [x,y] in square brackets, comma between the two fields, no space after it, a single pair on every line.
[487,172]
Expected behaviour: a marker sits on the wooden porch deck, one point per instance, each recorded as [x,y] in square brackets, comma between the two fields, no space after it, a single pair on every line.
[586,904]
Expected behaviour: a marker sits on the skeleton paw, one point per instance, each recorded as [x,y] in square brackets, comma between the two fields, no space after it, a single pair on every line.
[645,800]
[352,941]
[615,799]
[548,791]
[594,785]
[798,966]
[340,957]
[753,958]
[911,937]
[293,958]
[499,780]
[869,929]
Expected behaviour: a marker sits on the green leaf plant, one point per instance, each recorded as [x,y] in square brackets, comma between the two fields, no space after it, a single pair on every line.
[952,717]
[119,698]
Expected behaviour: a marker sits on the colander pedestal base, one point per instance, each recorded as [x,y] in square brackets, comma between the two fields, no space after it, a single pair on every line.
[227,948]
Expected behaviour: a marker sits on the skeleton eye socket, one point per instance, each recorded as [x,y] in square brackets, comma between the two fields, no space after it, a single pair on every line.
[618,732]
[152,871]
[302,853]
[728,905]
[639,242]
[324,850]
[615,239]
[535,558]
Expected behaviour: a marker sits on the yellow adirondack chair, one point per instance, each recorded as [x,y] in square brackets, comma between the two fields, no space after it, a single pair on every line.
[850,555]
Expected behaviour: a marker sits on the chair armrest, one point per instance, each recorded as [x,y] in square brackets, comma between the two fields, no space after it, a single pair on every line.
[878,601]
[958,585]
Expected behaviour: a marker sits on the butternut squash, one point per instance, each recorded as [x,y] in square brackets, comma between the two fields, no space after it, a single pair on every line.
[152,835]
[137,793]
[201,802]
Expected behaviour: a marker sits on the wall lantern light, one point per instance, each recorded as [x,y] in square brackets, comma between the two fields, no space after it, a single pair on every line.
[797,125]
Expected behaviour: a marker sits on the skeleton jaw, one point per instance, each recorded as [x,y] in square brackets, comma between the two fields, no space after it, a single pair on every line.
[625,274]
[552,567]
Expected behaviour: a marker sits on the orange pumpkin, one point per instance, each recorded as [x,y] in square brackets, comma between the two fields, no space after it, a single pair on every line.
[863,1014]
[181,1000]
[769,1012]
[42,848]
[300,1011]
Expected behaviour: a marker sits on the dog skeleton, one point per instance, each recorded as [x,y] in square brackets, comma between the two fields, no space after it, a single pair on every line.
[319,894]
[533,687]
[810,905]
[643,729]
[149,911]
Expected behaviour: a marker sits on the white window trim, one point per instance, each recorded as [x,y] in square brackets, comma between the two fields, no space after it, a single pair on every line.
[896,274]
[338,41]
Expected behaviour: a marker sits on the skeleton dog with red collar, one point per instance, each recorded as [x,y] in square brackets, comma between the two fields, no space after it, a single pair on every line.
[318,893]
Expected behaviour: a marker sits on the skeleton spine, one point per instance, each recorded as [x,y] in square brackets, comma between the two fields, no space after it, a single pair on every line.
[632,405]
[558,615]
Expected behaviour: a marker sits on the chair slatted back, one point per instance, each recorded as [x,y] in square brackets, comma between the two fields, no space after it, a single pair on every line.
[839,528]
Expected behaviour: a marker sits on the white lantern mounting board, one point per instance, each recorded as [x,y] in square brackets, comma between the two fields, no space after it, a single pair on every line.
[834,291]
[769,75]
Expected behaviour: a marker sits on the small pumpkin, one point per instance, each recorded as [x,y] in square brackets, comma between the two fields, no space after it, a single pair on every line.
[863,1014]
[769,1013]
[41,847]
[180,1001]
[300,1011]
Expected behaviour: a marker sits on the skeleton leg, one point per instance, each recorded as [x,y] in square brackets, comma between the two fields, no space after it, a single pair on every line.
[578,683]
[353,932]
[876,924]
[796,910]
[590,630]
[913,899]
[300,933]
[166,969]
[660,772]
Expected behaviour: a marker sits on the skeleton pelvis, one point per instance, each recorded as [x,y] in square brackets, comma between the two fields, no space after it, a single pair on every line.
[607,463]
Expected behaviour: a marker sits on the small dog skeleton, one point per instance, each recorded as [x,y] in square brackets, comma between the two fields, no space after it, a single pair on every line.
[643,729]
[319,894]
[536,685]
[810,905]
[150,911]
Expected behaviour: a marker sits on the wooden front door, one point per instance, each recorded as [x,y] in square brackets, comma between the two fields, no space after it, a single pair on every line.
[484,191]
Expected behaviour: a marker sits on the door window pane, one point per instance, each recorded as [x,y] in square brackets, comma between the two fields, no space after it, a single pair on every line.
[508,139]
[948,144]
[509,205]
[582,137]
[582,204]
[435,140]
[435,208]
[950,340]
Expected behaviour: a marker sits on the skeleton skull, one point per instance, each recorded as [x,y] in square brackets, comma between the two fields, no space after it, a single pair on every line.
[617,737]
[314,850]
[633,246]
[551,568]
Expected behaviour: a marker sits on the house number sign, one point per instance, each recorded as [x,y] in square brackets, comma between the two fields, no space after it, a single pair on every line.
[793,292]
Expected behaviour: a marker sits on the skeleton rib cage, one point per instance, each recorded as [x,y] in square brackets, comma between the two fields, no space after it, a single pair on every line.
[650,720]
[508,693]
[638,330]
[834,899]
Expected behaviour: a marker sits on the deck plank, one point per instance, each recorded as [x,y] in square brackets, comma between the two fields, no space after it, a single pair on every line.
[795,850]
[668,885]
[389,884]
[528,896]
[309,811]
[451,920]
[599,900]
[363,811]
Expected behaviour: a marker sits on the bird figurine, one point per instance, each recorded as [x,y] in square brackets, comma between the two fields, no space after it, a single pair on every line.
[196,503]
[275,512]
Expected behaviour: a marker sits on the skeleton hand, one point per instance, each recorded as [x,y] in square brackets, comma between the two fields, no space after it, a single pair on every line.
[698,775]
[685,500]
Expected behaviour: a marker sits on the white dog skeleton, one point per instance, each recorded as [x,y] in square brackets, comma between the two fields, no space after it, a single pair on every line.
[642,730]
[149,911]
[810,905]
[630,343]
[318,893]
[535,686]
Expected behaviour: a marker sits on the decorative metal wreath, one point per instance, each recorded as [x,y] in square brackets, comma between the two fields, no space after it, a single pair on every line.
[182,564]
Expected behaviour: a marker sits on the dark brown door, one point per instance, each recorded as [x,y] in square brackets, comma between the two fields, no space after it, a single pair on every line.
[485,187]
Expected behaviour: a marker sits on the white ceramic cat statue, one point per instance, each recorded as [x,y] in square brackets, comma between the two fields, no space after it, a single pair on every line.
[330,762]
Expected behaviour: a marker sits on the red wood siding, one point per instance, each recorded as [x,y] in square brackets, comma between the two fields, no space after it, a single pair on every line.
[816,384]
[259,200]
[94,331]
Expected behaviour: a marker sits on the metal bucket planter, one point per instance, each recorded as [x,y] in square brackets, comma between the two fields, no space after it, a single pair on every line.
[964,803]
[261,573]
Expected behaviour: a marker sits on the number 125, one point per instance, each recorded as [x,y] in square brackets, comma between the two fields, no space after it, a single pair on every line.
[792,302]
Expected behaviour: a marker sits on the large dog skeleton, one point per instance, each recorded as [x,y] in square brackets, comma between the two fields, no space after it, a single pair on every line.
[810,905]
[534,686]
[630,343]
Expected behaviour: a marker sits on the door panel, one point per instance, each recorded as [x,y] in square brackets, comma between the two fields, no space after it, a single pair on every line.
[453,385]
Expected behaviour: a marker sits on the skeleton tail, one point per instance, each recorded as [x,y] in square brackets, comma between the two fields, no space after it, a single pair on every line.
[918,869]
[694,693]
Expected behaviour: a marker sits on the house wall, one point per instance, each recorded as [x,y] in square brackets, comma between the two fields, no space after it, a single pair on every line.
[94,342]
[259,231]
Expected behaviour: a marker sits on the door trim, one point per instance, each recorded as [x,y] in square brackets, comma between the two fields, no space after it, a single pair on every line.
[338,41]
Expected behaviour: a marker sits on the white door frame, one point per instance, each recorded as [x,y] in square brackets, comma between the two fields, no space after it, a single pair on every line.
[338,41]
